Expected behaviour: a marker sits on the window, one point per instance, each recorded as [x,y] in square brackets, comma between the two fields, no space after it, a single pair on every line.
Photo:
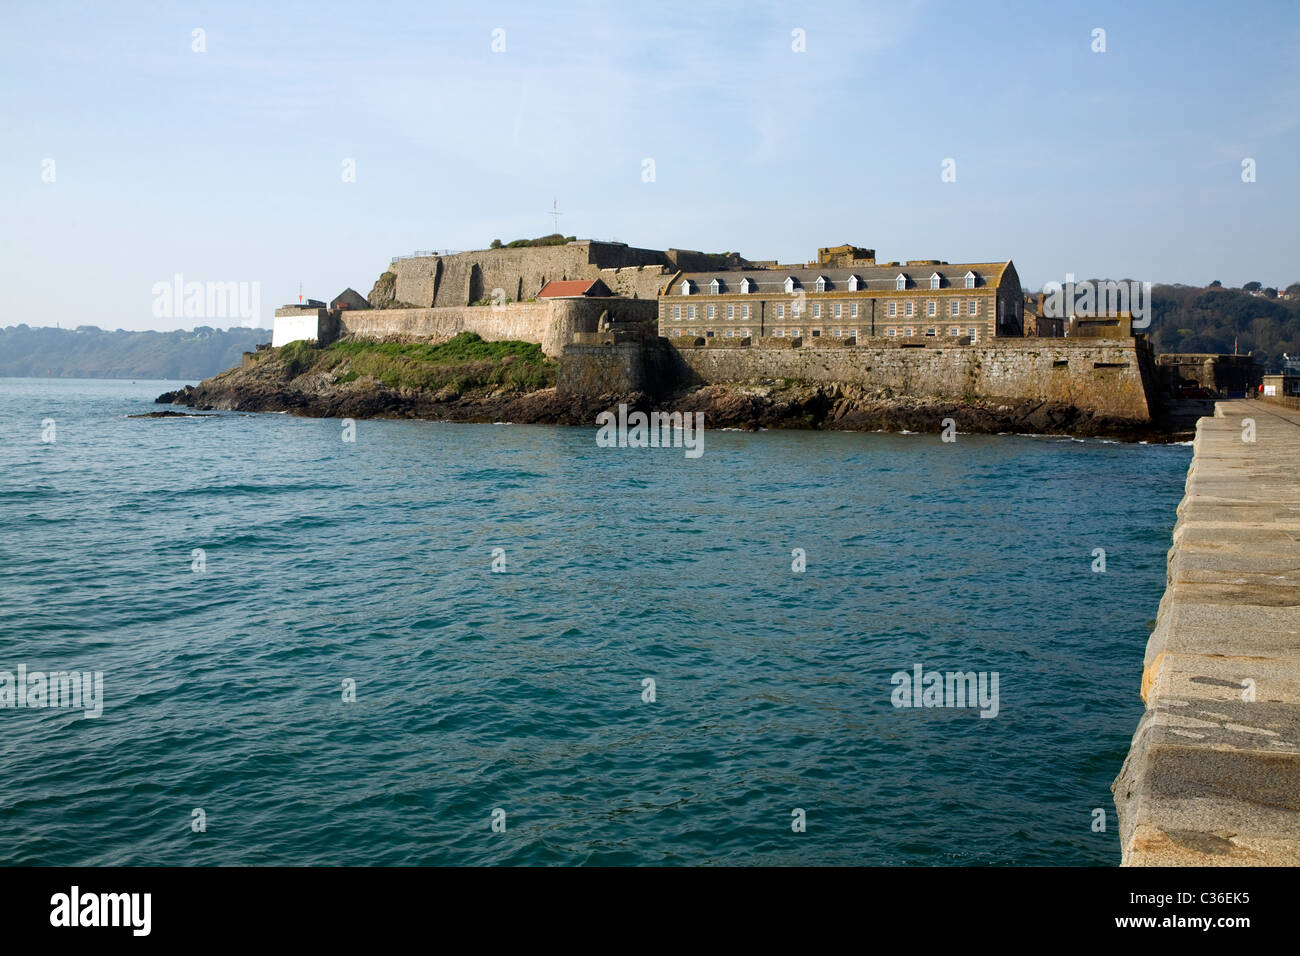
[931,307]
[970,280]
[972,335]
[838,333]
[931,332]
[691,312]
[817,310]
[954,307]
[911,307]
[816,333]
[853,283]
[794,333]
[714,286]
[746,286]
[821,283]
[892,332]
[853,310]
[970,306]
[731,311]
[779,334]
[953,330]
[686,287]
[780,311]
[900,282]
[893,309]
[712,311]
[909,332]
[731,333]
[677,331]
[789,284]
[708,334]
[744,333]
[934,281]
[839,310]
[795,309]
[744,311]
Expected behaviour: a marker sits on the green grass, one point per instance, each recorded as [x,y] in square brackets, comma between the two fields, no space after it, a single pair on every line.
[463,363]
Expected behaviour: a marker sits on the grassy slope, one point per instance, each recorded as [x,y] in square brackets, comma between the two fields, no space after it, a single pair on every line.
[463,363]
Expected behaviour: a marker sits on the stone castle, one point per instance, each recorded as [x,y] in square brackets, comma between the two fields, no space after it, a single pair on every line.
[918,327]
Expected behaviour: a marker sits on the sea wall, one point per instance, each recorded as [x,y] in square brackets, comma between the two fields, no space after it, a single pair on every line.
[1108,378]
[1213,773]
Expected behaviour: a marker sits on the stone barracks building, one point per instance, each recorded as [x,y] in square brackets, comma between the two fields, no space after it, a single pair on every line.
[847,295]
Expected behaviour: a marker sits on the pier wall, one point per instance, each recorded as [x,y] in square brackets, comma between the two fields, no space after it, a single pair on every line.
[1213,773]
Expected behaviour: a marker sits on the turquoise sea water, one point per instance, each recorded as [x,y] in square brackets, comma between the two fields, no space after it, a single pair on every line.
[328,561]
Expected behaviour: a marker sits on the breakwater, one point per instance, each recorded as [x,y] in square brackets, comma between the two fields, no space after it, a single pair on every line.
[1213,773]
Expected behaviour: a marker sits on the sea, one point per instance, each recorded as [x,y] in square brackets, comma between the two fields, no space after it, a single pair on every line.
[392,642]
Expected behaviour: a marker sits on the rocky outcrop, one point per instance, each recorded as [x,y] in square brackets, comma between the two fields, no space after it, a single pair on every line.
[384,293]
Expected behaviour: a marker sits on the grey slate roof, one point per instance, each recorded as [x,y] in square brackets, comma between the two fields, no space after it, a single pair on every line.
[870,278]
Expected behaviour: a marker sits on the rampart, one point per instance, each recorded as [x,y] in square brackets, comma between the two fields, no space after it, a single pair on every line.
[551,323]
[458,279]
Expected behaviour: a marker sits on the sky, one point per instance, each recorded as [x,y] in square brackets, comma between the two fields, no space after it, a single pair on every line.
[303,145]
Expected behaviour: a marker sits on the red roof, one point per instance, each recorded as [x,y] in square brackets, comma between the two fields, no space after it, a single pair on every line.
[560,288]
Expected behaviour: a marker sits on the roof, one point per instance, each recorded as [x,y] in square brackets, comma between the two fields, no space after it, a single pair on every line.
[350,298]
[878,277]
[565,288]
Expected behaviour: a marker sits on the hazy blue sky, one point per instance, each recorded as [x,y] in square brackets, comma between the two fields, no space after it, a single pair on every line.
[226,165]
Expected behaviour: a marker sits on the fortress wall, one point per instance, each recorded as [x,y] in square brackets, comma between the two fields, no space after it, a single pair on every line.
[550,323]
[447,281]
[1106,378]
[524,322]
[636,282]
[616,369]
[505,269]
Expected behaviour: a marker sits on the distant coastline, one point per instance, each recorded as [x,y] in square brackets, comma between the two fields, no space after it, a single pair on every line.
[91,352]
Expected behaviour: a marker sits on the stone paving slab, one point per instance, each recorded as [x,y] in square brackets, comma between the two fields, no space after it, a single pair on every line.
[1213,774]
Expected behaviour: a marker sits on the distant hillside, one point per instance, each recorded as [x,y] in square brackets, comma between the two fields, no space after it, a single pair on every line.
[90,352]
[1190,319]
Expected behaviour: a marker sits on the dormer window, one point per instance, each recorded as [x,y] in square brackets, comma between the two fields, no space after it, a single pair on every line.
[970,280]
[714,286]
[789,284]
[853,283]
[934,281]
[686,287]
[821,283]
[746,286]
[900,282]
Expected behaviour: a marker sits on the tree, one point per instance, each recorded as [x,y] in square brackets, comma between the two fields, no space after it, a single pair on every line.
[1270,293]
[1293,288]
[1252,287]
[1216,284]
[496,244]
